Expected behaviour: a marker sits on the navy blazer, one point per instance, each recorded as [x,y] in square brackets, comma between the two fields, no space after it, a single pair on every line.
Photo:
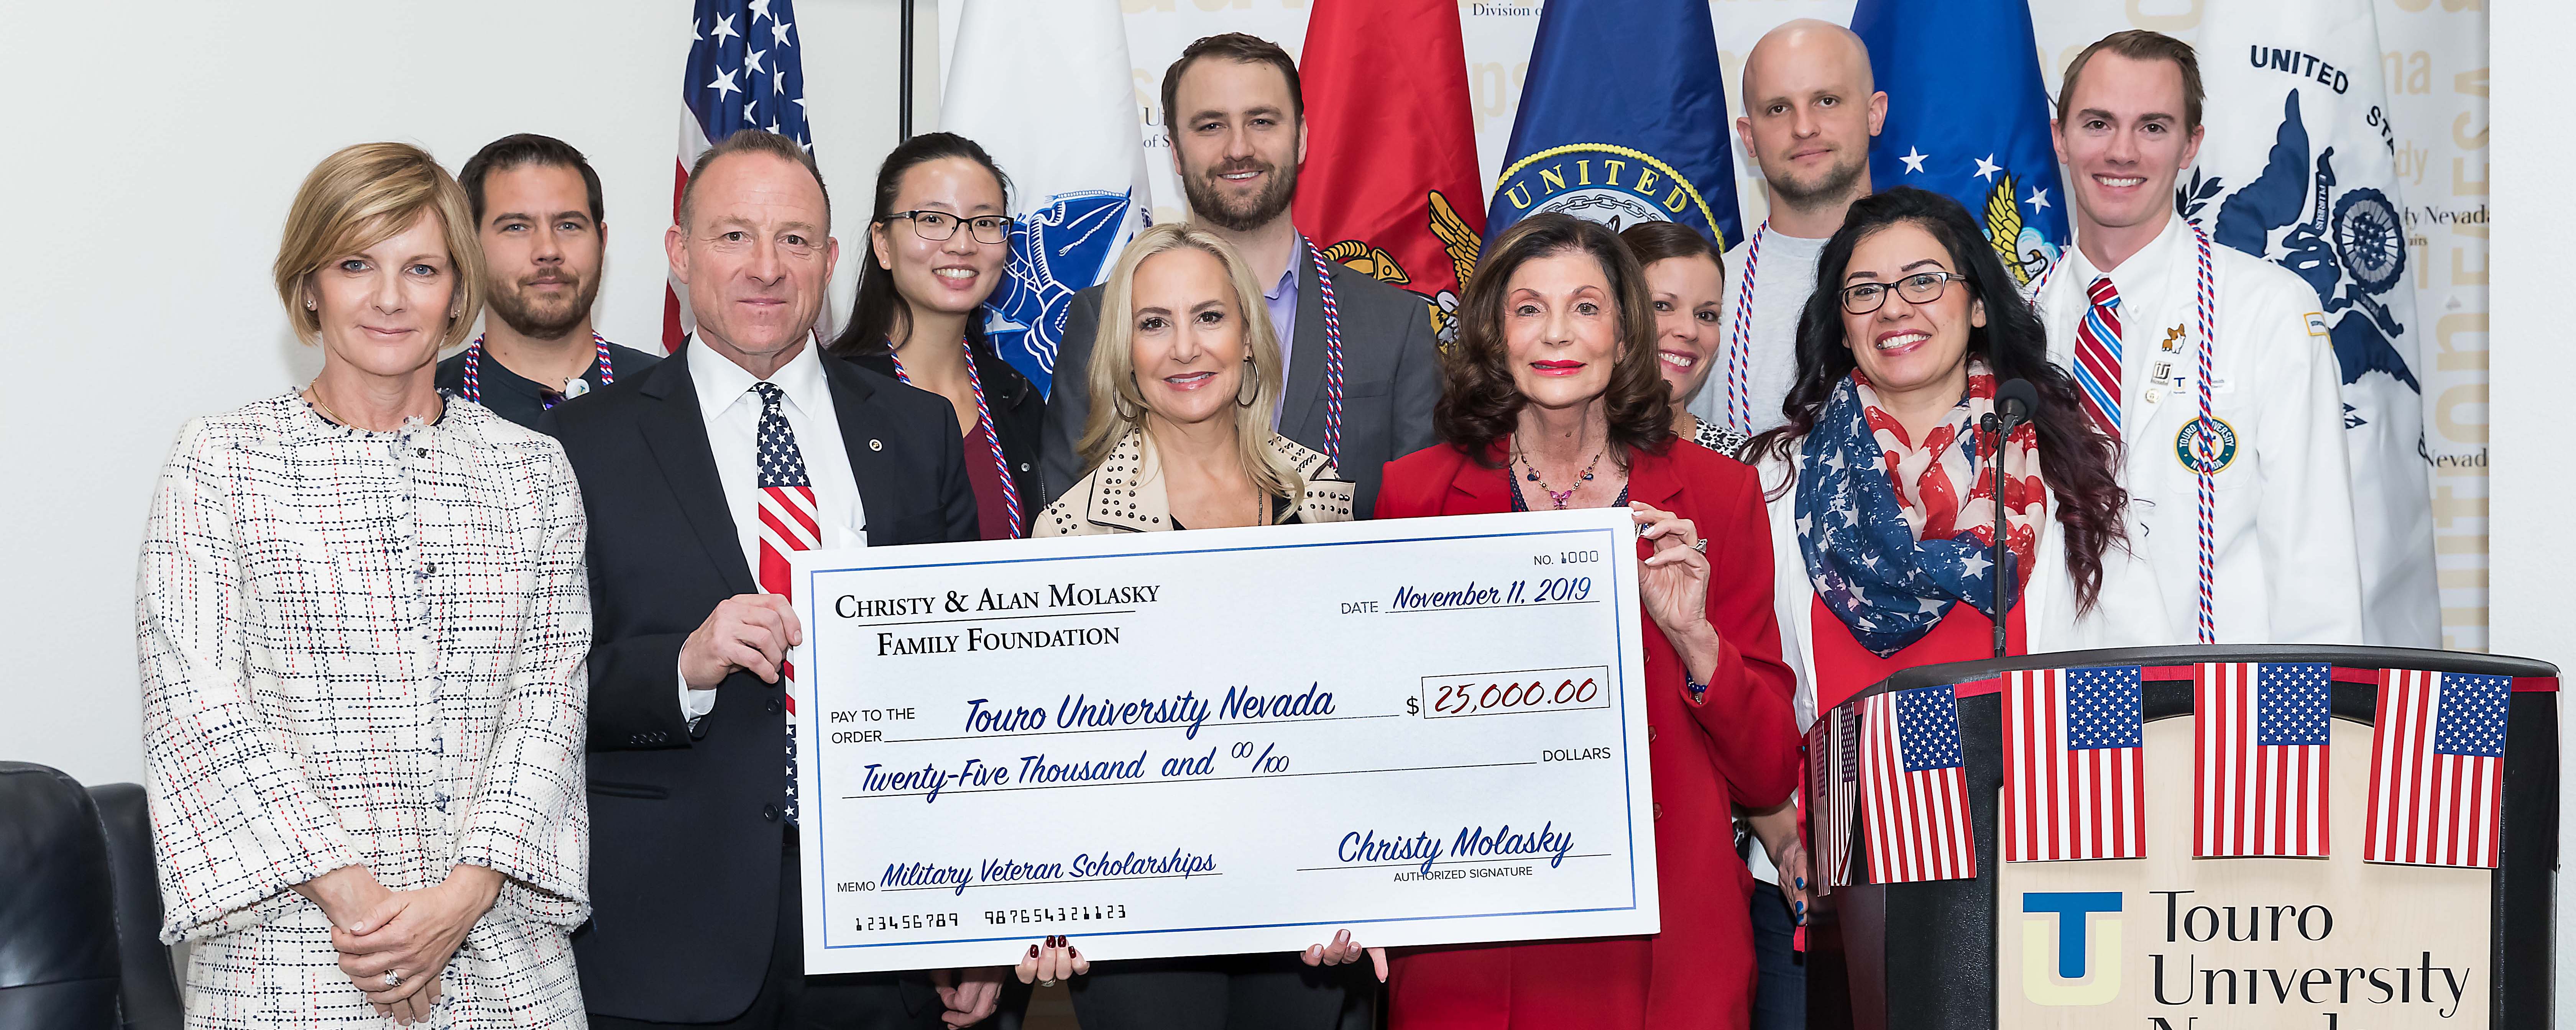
[685,830]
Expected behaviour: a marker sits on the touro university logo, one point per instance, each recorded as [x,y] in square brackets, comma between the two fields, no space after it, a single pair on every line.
[2070,953]
[1614,185]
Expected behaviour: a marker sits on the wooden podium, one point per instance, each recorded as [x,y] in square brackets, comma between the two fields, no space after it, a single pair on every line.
[2184,943]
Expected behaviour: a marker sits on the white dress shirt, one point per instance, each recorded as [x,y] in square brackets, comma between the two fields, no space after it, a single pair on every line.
[732,411]
[2288,570]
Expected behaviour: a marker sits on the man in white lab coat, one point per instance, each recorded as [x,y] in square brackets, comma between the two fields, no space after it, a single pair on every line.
[2125,311]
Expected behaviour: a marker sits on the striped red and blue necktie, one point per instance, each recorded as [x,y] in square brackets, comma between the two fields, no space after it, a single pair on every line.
[2097,356]
[788,522]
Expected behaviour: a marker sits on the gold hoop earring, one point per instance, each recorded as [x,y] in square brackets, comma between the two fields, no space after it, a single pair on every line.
[1252,378]
[1118,401]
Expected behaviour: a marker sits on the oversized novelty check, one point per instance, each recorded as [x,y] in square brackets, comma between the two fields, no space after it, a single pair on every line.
[1229,740]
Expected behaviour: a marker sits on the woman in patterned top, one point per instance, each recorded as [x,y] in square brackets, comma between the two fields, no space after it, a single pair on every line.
[1684,276]
[361,615]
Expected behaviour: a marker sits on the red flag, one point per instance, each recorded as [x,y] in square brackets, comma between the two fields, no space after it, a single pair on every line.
[1390,186]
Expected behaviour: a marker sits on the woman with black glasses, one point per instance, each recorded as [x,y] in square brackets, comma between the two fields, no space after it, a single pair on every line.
[1881,487]
[937,243]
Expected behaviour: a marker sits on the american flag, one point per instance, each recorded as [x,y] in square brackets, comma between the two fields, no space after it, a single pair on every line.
[2074,764]
[1833,771]
[2260,788]
[2437,768]
[745,71]
[1915,799]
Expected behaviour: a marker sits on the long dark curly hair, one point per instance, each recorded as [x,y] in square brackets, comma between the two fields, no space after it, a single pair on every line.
[2075,459]
[1479,403]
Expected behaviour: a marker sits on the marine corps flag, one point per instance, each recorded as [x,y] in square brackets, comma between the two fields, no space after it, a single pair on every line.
[1623,120]
[1389,185]
[1976,130]
[2299,169]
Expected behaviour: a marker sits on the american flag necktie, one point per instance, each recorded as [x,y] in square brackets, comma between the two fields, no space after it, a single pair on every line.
[2097,356]
[788,522]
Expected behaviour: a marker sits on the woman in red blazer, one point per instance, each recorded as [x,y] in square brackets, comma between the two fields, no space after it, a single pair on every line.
[1553,400]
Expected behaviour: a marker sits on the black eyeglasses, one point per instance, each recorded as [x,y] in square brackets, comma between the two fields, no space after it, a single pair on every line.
[940,226]
[1919,288]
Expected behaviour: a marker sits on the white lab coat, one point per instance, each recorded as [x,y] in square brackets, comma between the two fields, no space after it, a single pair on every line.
[2287,569]
[2049,619]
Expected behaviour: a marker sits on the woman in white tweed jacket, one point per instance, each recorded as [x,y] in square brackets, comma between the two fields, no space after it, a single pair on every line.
[361,613]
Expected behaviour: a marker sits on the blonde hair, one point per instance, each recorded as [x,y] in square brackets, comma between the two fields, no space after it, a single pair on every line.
[1113,361]
[360,197]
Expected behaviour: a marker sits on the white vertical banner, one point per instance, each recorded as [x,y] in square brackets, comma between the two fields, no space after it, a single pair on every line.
[2299,167]
[1043,85]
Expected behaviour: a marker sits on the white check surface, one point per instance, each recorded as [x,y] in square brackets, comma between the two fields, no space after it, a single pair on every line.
[1234,740]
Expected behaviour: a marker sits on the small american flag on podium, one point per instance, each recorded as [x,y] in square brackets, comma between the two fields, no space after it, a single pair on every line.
[2437,769]
[1833,769]
[2260,783]
[1914,794]
[2074,764]
[745,70]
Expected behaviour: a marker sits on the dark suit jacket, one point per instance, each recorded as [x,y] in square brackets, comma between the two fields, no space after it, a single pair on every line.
[685,834]
[1019,414]
[1390,378]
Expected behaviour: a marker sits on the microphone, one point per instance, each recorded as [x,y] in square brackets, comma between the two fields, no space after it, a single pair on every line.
[2015,402]
[2014,394]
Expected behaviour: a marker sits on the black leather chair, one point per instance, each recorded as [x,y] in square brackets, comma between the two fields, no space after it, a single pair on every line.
[80,907]
[149,993]
[58,958]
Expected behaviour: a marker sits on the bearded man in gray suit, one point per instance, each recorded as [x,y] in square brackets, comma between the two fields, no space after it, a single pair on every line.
[1238,125]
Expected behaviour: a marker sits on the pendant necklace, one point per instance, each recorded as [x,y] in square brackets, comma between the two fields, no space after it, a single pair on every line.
[1555,496]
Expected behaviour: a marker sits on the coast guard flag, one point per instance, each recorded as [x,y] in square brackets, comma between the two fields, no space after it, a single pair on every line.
[1976,130]
[2074,765]
[746,70]
[1833,770]
[1391,148]
[1623,120]
[1045,86]
[2299,168]
[2260,783]
[1914,798]
[2437,768]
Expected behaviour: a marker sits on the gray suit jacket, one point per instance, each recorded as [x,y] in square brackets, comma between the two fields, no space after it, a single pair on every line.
[1390,380]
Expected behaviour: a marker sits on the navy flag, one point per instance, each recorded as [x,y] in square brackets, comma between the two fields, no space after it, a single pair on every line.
[1976,130]
[1622,120]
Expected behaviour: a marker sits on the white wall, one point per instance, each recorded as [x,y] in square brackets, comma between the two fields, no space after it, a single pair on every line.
[2531,491]
[145,185]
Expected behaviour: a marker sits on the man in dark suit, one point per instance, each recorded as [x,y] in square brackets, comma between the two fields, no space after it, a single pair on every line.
[700,474]
[1238,123]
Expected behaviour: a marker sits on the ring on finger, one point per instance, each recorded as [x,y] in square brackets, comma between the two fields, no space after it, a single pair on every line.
[1699,545]
[1046,983]
[393,979]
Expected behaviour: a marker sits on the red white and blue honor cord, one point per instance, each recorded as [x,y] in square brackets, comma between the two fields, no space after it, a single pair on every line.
[1332,357]
[992,433]
[473,390]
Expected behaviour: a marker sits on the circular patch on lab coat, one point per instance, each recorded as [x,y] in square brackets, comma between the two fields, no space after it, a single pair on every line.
[2219,450]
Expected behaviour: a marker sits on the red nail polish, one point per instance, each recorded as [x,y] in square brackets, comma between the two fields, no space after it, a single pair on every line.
[1033,951]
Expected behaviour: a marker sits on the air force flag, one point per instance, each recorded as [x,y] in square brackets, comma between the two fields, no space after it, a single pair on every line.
[1623,120]
[1045,86]
[1976,130]
[2299,168]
